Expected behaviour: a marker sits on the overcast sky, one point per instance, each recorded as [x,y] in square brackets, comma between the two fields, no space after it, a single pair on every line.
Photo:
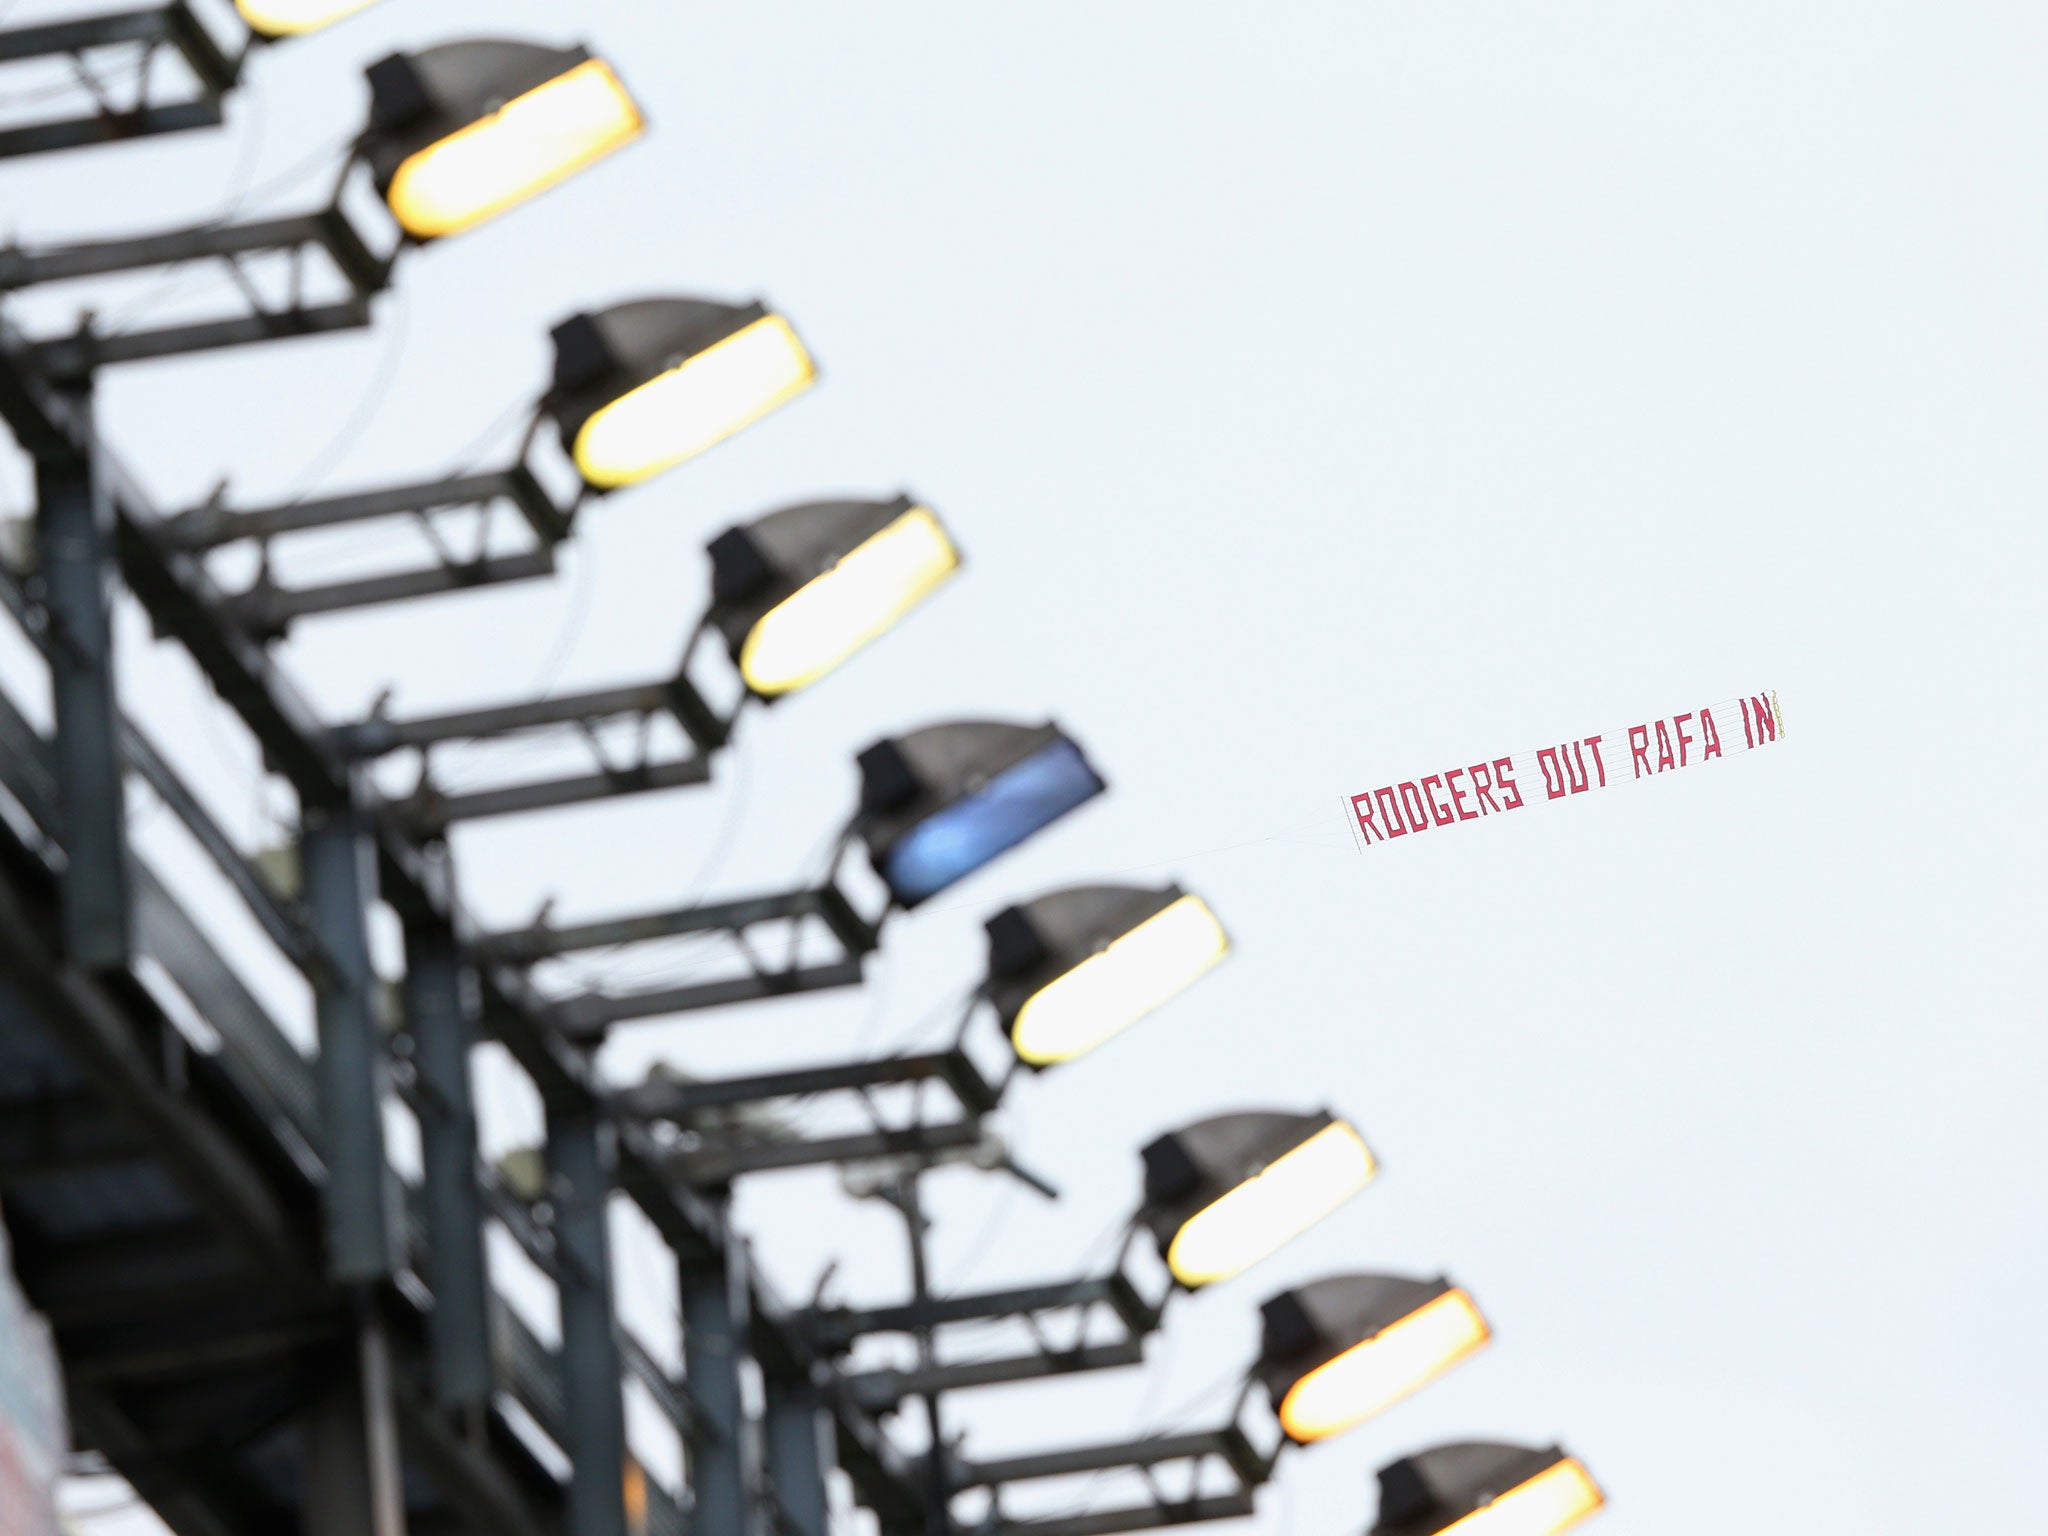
[1323,394]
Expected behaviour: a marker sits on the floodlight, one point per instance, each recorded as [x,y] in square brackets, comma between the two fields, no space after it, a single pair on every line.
[1224,1193]
[1072,969]
[1485,1490]
[461,132]
[289,18]
[797,592]
[642,386]
[1341,1350]
[938,804]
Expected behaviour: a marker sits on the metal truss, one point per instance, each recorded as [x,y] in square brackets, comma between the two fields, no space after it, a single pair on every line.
[85,46]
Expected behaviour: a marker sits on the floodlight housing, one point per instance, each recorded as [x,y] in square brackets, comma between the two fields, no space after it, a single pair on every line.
[1073,968]
[1338,1351]
[797,592]
[1225,1192]
[939,803]
[642,386]
[461,132]
[289,18]
[1479,1489]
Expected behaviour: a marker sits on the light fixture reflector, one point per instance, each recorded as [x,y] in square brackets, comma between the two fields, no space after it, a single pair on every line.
[1111,990]
[1270,1209]
[701,401]
[1554,1500]
[289,18]
[1372,1376]
[858,600]
[531,143]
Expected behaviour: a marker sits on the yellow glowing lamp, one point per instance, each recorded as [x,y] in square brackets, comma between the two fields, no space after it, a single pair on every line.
[462,132]
[1486,1490]
[641,387]
[1071,970]
[797,592]
[1339,1351]
[289,18]
[1223,1194]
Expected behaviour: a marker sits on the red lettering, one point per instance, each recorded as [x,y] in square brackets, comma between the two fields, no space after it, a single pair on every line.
[1458,795]
[1503,776]
[1599,767]
[1748,740]
[1663,747]
[1361,807]
[1411,802]
[1553,775]
[1639,749]
[1578,782]
[1390,811]
[1710,739]
[1482,787]
[1766,720]
[1684,741]
[1440,813]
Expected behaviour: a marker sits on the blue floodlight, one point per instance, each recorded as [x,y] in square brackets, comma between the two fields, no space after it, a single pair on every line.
[940,803]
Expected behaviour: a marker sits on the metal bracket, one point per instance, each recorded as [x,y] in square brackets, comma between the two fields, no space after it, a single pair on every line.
[170,26]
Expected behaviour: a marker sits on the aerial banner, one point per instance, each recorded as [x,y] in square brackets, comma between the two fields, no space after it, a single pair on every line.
[1494,786]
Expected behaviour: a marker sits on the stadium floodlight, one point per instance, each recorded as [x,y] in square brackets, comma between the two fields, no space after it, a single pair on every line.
[1337,1352]
[1072,969]
[797,592]
[1223,1193]
[1485,1490]
[461,132]
[289,18]
[939,803]
[642,386]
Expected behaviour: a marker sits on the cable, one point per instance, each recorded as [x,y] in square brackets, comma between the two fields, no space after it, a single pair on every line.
[373,398]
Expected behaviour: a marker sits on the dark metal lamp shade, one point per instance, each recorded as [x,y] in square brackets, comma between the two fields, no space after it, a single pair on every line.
[939,803]
[1485,1489]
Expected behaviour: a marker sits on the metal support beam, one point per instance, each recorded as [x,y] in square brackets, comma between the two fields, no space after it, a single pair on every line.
[580,1156]
[210,527]
[379,737]
[438,1024]
[879,1391]
[269,612]
[172,24]
[834,1328]
[354,1484]
[724,1460]
[362,1212]
[679,1099]
[799,1452]
[716,1164]
[74,529]
[432,813]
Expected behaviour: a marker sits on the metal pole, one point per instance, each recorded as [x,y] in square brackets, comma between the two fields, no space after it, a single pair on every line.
[363,1241]
[799,1452]
[74,531]
[908,1197]
[579,1151]
[354,1481]
[442,1034]
[723,1462]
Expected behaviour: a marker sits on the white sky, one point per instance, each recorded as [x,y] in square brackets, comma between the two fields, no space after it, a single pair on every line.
[1325,393]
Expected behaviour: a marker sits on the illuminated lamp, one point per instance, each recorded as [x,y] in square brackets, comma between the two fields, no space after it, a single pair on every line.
[461,132]
[939,803]
[1073,968]
[641,387]
[1224,1193]
[1485,1490]
[289,18]
[1339,1351]
[797,592]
